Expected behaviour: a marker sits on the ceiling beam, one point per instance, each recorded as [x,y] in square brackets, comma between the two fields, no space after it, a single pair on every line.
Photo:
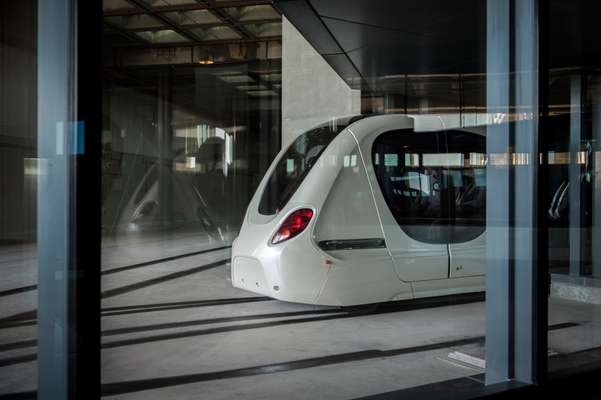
[146,44]
[209,25]
[151,11]
[189,7]
[227,19]
[127,33]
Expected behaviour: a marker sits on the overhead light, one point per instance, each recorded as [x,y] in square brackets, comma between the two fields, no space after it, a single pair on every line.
[205,57]
[207,61]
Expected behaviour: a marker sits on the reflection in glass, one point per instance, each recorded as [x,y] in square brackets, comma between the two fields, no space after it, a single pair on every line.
[182,154]
[20,168]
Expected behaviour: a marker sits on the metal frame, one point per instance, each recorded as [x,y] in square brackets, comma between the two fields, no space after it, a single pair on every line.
[516,327]
[576,241]
[498,268]
[542,279]
[69,143]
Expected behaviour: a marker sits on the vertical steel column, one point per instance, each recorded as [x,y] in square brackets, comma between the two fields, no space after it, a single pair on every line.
[511,210]
[498,190]
[596,183]
[56,113]
[69,109]
[525,188]
[576,243]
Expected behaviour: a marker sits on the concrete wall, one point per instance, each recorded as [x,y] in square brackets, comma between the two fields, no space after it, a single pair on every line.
[312,92]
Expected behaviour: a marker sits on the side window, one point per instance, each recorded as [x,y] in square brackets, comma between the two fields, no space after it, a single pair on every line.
[433,182]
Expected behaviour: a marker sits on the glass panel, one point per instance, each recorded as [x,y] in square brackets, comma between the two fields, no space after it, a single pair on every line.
[397,223]
[571,155]
[19,171]
[172,170]
[381,266]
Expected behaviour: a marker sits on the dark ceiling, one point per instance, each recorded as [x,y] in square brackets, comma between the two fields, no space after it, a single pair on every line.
[376,38]
[368,39]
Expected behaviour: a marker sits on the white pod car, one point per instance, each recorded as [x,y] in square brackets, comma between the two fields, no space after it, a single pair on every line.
[365,210]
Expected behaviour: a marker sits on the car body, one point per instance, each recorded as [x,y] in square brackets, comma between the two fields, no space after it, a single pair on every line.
[370,209]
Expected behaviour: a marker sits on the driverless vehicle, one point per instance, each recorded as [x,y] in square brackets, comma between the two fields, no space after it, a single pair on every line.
[366,210]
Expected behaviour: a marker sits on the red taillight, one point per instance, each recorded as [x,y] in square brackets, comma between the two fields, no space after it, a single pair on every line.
[293,225]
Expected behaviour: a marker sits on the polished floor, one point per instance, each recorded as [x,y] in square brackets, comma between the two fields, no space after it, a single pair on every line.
[176,328]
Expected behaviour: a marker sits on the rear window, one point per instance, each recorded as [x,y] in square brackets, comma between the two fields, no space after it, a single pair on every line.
[296,163]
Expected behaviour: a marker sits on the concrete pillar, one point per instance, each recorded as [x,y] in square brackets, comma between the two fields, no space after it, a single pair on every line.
[524,191]
[312,92]
[498,310]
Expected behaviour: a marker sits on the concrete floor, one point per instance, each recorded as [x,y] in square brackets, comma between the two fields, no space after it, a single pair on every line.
[177,329]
